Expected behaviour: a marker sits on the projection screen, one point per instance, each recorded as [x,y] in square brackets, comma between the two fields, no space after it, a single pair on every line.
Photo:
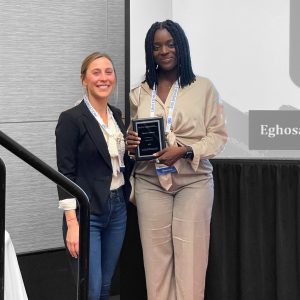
[250,51]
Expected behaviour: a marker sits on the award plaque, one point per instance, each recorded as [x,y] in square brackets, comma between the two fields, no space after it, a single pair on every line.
[152,134]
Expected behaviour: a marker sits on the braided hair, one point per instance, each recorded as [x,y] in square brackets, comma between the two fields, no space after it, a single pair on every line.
[184,66]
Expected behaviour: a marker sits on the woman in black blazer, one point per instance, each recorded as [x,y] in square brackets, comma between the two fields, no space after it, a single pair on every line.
[91,152]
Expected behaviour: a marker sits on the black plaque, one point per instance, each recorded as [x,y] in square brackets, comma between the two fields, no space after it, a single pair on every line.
[152,134]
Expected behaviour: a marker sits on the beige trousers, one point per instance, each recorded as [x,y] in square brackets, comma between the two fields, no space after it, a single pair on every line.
[174,228]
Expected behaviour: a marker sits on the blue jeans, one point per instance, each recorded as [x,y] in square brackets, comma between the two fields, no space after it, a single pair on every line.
[107,233]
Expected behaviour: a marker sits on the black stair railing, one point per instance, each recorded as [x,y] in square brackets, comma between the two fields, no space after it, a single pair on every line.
[69,186]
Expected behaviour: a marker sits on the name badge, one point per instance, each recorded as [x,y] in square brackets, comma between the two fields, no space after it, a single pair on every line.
[162,170]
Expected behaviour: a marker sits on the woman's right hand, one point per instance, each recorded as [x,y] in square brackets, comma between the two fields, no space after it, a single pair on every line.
[132,141]
[72,238]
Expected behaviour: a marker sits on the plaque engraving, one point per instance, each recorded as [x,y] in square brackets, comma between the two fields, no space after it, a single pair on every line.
[152,134]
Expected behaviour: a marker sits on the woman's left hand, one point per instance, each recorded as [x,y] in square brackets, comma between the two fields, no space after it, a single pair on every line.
[132,141]
[169,156]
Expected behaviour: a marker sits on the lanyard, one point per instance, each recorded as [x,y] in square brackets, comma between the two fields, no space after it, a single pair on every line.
[171,108]
[97,117]
[113,145]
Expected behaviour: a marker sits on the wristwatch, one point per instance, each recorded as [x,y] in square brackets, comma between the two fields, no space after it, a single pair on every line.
[189,154]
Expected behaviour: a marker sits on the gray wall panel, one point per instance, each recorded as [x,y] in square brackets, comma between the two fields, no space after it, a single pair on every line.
[42,46]
[116,45]
[32,217]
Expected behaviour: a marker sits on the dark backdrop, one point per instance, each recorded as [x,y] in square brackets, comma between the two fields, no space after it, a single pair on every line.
[255,235]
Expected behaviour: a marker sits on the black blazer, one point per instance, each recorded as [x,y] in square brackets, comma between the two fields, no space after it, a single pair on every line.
[82,155]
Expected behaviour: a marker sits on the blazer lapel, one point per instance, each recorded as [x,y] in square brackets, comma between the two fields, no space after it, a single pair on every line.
[118,118]
[96,133]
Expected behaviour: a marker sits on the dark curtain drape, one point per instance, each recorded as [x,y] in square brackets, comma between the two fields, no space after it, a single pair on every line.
[255,235]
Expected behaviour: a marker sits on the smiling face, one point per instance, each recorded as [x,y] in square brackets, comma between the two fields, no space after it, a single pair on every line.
[99,79]
[164,51]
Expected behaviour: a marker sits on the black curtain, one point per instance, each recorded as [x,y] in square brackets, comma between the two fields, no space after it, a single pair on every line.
[255,235]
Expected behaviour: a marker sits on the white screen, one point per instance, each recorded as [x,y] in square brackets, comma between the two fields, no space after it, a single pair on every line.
[243,47]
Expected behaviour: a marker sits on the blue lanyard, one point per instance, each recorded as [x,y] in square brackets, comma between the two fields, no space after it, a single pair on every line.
[171,108]
[105,128]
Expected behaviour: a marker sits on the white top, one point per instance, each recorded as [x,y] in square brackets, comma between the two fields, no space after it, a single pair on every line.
[14,288]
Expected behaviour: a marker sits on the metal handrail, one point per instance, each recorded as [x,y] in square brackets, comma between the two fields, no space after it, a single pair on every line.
[72,188]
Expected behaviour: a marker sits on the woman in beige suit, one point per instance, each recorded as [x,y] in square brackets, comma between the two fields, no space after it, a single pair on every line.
[174,205]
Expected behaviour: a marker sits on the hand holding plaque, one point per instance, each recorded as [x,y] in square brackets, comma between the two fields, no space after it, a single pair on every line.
[152,134]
